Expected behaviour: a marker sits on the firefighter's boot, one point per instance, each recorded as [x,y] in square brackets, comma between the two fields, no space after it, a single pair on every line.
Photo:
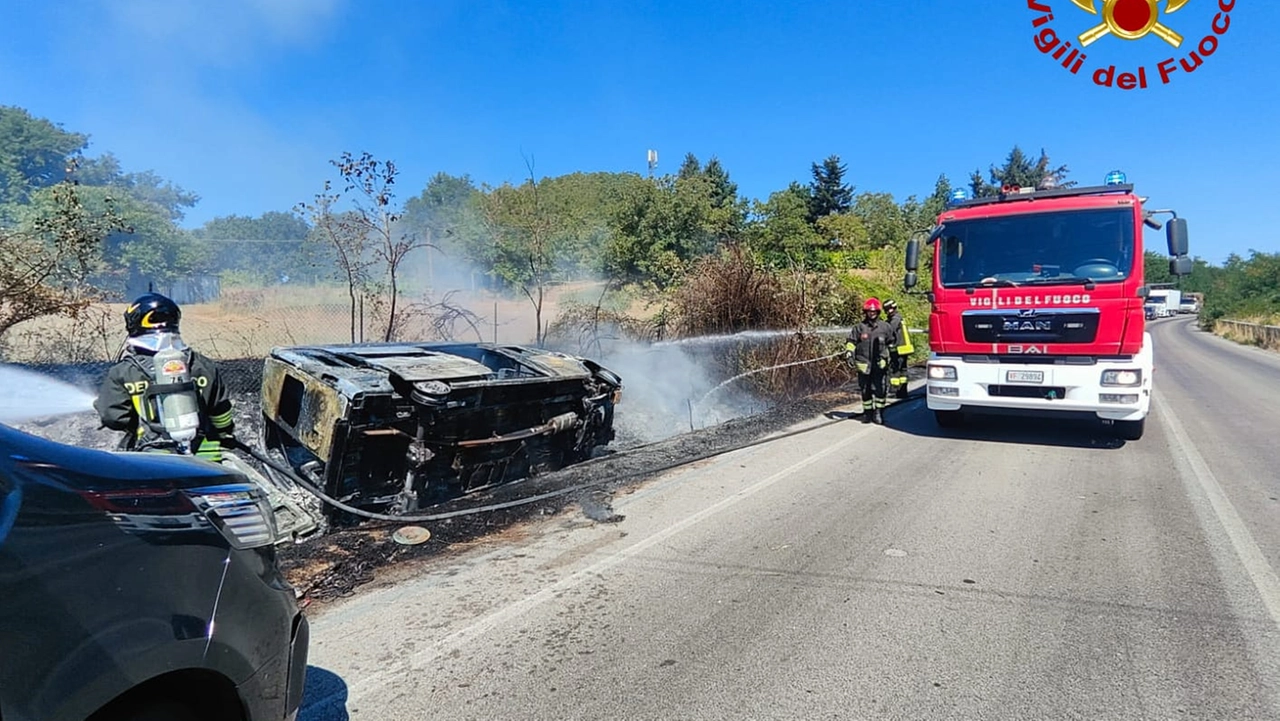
[878,418]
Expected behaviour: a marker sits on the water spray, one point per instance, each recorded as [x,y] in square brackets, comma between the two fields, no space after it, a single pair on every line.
[750,336]
[754,371]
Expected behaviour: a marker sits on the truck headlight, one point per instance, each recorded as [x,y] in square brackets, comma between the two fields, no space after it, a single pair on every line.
[942,373]
[1122,378]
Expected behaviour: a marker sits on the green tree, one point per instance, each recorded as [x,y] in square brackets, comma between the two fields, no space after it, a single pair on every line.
[934,204]
[524,251]
[1155,267]
[661,226]
[884,220]
[828,192]
[447,215]
[146,186]
[728,209]
[782,234]
[1020,170]
[47,258]
[269,249]
[690,167]
[34,153]
[152,252]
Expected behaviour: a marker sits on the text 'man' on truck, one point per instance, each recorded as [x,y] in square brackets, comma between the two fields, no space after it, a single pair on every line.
[1037,303]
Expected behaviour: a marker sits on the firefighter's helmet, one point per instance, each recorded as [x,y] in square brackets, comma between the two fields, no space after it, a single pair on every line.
[872,305]
[890,305]
[151,313]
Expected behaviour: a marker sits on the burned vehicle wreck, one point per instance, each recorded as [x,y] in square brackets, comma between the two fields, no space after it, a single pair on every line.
[395,427]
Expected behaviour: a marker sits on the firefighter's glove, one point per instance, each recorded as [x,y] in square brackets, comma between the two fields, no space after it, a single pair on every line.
[882,364]
[863,368]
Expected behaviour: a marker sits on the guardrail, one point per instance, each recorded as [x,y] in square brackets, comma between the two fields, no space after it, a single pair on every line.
[1267,336]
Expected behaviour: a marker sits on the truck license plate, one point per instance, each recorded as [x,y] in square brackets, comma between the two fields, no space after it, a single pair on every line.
[1025,377]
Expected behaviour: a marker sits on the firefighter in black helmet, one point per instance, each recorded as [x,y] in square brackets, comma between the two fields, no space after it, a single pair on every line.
[131,398]
[868,347]
[900,349]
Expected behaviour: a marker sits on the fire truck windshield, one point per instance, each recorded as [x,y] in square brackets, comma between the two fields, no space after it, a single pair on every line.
[1038,249]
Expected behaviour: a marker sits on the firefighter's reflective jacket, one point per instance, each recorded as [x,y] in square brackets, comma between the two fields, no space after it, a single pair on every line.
[124,404]
[901,336]
[869,344]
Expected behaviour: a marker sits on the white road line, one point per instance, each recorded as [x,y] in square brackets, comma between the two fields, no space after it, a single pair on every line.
[361,689]
[1255,564]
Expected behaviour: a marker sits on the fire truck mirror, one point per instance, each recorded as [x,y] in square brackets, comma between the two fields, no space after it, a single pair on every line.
[937,233]
[909,282]
[1180,266]
[1176,229]
[913,257]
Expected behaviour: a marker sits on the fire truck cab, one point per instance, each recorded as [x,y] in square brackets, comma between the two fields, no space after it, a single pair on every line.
[1037,303]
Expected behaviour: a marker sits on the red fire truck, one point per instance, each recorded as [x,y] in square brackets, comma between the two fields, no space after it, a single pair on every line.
[1037,303]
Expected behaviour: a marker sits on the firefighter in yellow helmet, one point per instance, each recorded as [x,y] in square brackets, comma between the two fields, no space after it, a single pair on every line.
[900,349]
[868,348]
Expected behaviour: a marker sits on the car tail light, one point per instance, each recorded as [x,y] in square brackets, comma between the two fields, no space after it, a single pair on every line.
[238,510]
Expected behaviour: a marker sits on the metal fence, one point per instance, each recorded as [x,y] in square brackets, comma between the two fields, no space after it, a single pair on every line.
[1266,336]
[249,323]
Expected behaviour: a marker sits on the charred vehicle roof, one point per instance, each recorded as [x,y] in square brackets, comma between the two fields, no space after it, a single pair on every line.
[396,426]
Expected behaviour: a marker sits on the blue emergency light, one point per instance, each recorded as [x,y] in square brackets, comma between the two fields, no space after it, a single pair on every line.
[1116,177]
[959,195]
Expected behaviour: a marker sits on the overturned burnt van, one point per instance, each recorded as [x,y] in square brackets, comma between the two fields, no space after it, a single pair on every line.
[393,427]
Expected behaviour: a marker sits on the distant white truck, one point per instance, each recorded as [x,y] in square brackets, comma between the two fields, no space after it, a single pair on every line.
[1164,302]
[1192,303]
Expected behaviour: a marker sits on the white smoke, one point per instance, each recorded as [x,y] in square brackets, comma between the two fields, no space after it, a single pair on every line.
[26,395]
[662,384]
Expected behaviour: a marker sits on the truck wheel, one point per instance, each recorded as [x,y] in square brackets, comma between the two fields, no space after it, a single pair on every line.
[949,419]
[1131,430]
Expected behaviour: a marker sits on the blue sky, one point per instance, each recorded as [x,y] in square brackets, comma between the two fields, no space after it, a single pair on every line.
[245,101]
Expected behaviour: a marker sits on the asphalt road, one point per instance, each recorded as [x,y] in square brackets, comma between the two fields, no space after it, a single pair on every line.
[1010,570]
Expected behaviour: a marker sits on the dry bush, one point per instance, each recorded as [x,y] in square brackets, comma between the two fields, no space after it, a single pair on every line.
[731,292]
[795,381]
[445,319]
[90,334]
[592,329]
[242,300]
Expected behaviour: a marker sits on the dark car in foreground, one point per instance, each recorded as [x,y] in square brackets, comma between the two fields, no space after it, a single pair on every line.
[140,586]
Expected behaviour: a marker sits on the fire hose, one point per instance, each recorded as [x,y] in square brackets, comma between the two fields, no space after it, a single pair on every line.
[754,371]
[315,491]
[311,488]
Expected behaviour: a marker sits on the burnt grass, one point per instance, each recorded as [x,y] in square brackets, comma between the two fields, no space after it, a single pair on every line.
[335,564]
[348,556]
